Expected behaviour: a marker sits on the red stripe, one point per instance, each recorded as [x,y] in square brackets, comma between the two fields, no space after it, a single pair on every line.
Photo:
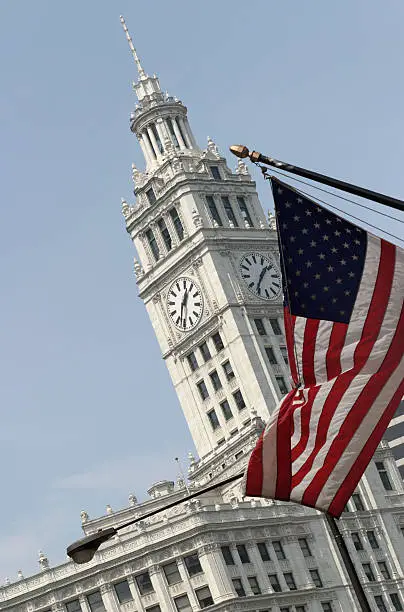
[283,440]
[309,349]
[305,415]
[336,344]
[348,486]
[289,321]
[254,471]
[357,412]
[370,332]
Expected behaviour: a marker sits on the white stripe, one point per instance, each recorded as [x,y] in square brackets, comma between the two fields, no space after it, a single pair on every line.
[362,302]
[373,363]
[396,442]
[300,401]
[322,342]
[396,421]
[298,335]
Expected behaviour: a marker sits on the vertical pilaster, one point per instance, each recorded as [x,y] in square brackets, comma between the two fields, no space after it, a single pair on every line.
[151,154]
[145,151]
[160,588]
[262,576]
[184,132]
[136,597]
[108,597]
[215,571]
[84,604]
[190,591]
[153,141]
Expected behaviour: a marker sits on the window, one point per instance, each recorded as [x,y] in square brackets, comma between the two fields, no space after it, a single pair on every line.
[227,556]
[263,550]
[123,592]
[229,211]
[177,223]
[213,210]
[384,477]
[395,600]
[192,564]
[238,398]
[242,553]
[238,455]
[203,391]
[74,606]
[327,606]
[182,603]
[165,233]
[275,584]
[227,413]
[275,327]
[214,170]
[285,609]
[205,352]
[304,546]
[284,353]
[290,581]
[384,570]
[228,370]
[357,542]
[372,539]
[155,608]
[278,548]
[259,324]
[367,568]
[234,432]
[282,385]
[217,341]
[381,606]
[151,239]
[300,608]
[214,421]
[204,597]
[215,380]
[244,210]
[255,587]
[221,441]
[271,355]
[238,587]
[315,576]
[193,364]
[357,501]
[95,602]
[151,196]
[144,583]
[172,573]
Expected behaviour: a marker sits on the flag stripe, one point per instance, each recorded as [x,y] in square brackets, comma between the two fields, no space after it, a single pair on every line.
[356,414]
[336,344]
[289,332]
[284,428]
[308,352]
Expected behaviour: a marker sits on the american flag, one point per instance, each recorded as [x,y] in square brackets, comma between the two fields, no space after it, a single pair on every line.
[344,325]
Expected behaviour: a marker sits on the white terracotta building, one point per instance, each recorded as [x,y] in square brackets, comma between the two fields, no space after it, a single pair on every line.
[198,227]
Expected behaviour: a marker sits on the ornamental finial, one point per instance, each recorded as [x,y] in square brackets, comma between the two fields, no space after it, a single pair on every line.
[140,70]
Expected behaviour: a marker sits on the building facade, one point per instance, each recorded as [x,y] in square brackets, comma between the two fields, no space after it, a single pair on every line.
[208,272]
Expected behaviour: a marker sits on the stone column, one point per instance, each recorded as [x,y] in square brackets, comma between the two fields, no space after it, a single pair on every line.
[153,141]
[299,566]
[178,134]
[185,132]
[162,130]
[136,597]
[160,588]
[189,132]
[151,154]
[109,599]
[84,603]
[146,153]
[216,574]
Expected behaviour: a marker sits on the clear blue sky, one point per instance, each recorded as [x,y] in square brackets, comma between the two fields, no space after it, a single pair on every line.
[89,414]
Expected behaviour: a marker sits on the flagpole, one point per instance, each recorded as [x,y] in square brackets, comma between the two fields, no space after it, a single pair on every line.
[349,565]
[242,151]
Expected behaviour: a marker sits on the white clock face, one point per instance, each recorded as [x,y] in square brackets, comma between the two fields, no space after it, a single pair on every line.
[261,275]
[185,303]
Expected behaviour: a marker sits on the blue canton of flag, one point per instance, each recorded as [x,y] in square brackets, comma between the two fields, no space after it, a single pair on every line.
[323,257]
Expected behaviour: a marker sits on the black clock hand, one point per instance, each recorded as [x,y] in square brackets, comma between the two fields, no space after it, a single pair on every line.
[261,277]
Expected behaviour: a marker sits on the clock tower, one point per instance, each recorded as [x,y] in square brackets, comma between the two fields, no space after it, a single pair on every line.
[208,273]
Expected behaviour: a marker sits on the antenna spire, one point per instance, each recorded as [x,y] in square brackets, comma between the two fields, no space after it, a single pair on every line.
[140,70]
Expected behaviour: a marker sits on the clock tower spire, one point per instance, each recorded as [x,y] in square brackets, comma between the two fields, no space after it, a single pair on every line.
[208,273]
